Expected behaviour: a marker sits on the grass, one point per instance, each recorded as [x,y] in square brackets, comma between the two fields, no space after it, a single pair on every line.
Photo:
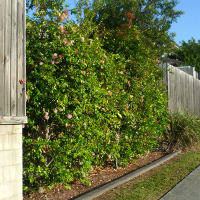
[183,131]
[157,182]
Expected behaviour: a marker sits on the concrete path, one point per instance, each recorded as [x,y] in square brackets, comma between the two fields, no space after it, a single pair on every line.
[187,189]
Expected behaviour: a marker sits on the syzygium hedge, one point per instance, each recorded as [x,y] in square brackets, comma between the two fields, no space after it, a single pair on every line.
[86,104]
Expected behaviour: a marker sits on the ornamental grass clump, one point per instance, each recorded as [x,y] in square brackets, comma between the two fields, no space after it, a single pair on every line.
[183,131]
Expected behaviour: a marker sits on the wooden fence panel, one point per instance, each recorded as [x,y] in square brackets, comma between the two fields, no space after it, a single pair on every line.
[183,92]
[12,62]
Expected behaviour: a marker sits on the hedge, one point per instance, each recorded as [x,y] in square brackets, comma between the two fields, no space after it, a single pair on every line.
[87,104]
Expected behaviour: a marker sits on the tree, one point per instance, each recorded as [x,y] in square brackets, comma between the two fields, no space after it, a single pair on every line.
[189,53]
[47,6]
[153,18]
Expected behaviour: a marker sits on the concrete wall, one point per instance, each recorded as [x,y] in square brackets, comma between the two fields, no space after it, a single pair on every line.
[10,162]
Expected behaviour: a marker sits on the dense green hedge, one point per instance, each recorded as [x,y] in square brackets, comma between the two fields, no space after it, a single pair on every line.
[87,105]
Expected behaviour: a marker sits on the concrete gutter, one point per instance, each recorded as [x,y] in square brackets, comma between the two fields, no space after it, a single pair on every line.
[112,184]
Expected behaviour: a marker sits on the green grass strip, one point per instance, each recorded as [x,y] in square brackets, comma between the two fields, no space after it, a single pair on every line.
[156,183]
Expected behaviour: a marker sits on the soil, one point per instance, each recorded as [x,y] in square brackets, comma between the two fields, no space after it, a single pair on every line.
[98,176]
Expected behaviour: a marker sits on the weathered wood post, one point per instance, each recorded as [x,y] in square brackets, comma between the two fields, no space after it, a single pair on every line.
[12,97]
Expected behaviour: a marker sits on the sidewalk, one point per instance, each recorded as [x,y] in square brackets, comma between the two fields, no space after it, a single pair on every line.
[187,189]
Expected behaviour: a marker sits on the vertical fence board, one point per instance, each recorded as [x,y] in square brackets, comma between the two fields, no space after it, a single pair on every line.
[191,96]
[178,92]
[186,94]
[167,85]
[7,56]
[170,90]
[13,58]
[176,87]
[197,97]
[183,84]
[2,8]
[187,98]
[24,56]
[20,57]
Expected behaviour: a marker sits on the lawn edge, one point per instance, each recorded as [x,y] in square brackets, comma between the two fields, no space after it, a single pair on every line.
[123,179]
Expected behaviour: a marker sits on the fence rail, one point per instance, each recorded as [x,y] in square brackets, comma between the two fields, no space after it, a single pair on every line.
[183,90]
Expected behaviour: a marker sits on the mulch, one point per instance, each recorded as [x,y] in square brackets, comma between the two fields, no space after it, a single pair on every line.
[98,176]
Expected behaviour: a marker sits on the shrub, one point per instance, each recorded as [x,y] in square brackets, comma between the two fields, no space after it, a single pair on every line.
[86,106]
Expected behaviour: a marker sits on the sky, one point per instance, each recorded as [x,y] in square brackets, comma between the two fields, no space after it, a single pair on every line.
[186,26]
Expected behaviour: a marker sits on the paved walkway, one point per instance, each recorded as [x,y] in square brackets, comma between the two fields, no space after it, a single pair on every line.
[187,189]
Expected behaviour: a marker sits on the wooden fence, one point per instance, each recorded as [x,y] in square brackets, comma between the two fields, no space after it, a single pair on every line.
[12,61]
[183,90]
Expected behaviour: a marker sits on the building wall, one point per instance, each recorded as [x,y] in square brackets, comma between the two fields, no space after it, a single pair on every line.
[10,162]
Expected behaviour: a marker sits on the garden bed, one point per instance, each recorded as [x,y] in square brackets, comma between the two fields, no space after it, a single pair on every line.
[99,176]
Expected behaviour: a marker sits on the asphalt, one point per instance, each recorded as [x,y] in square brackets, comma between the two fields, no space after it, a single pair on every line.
[187,189]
